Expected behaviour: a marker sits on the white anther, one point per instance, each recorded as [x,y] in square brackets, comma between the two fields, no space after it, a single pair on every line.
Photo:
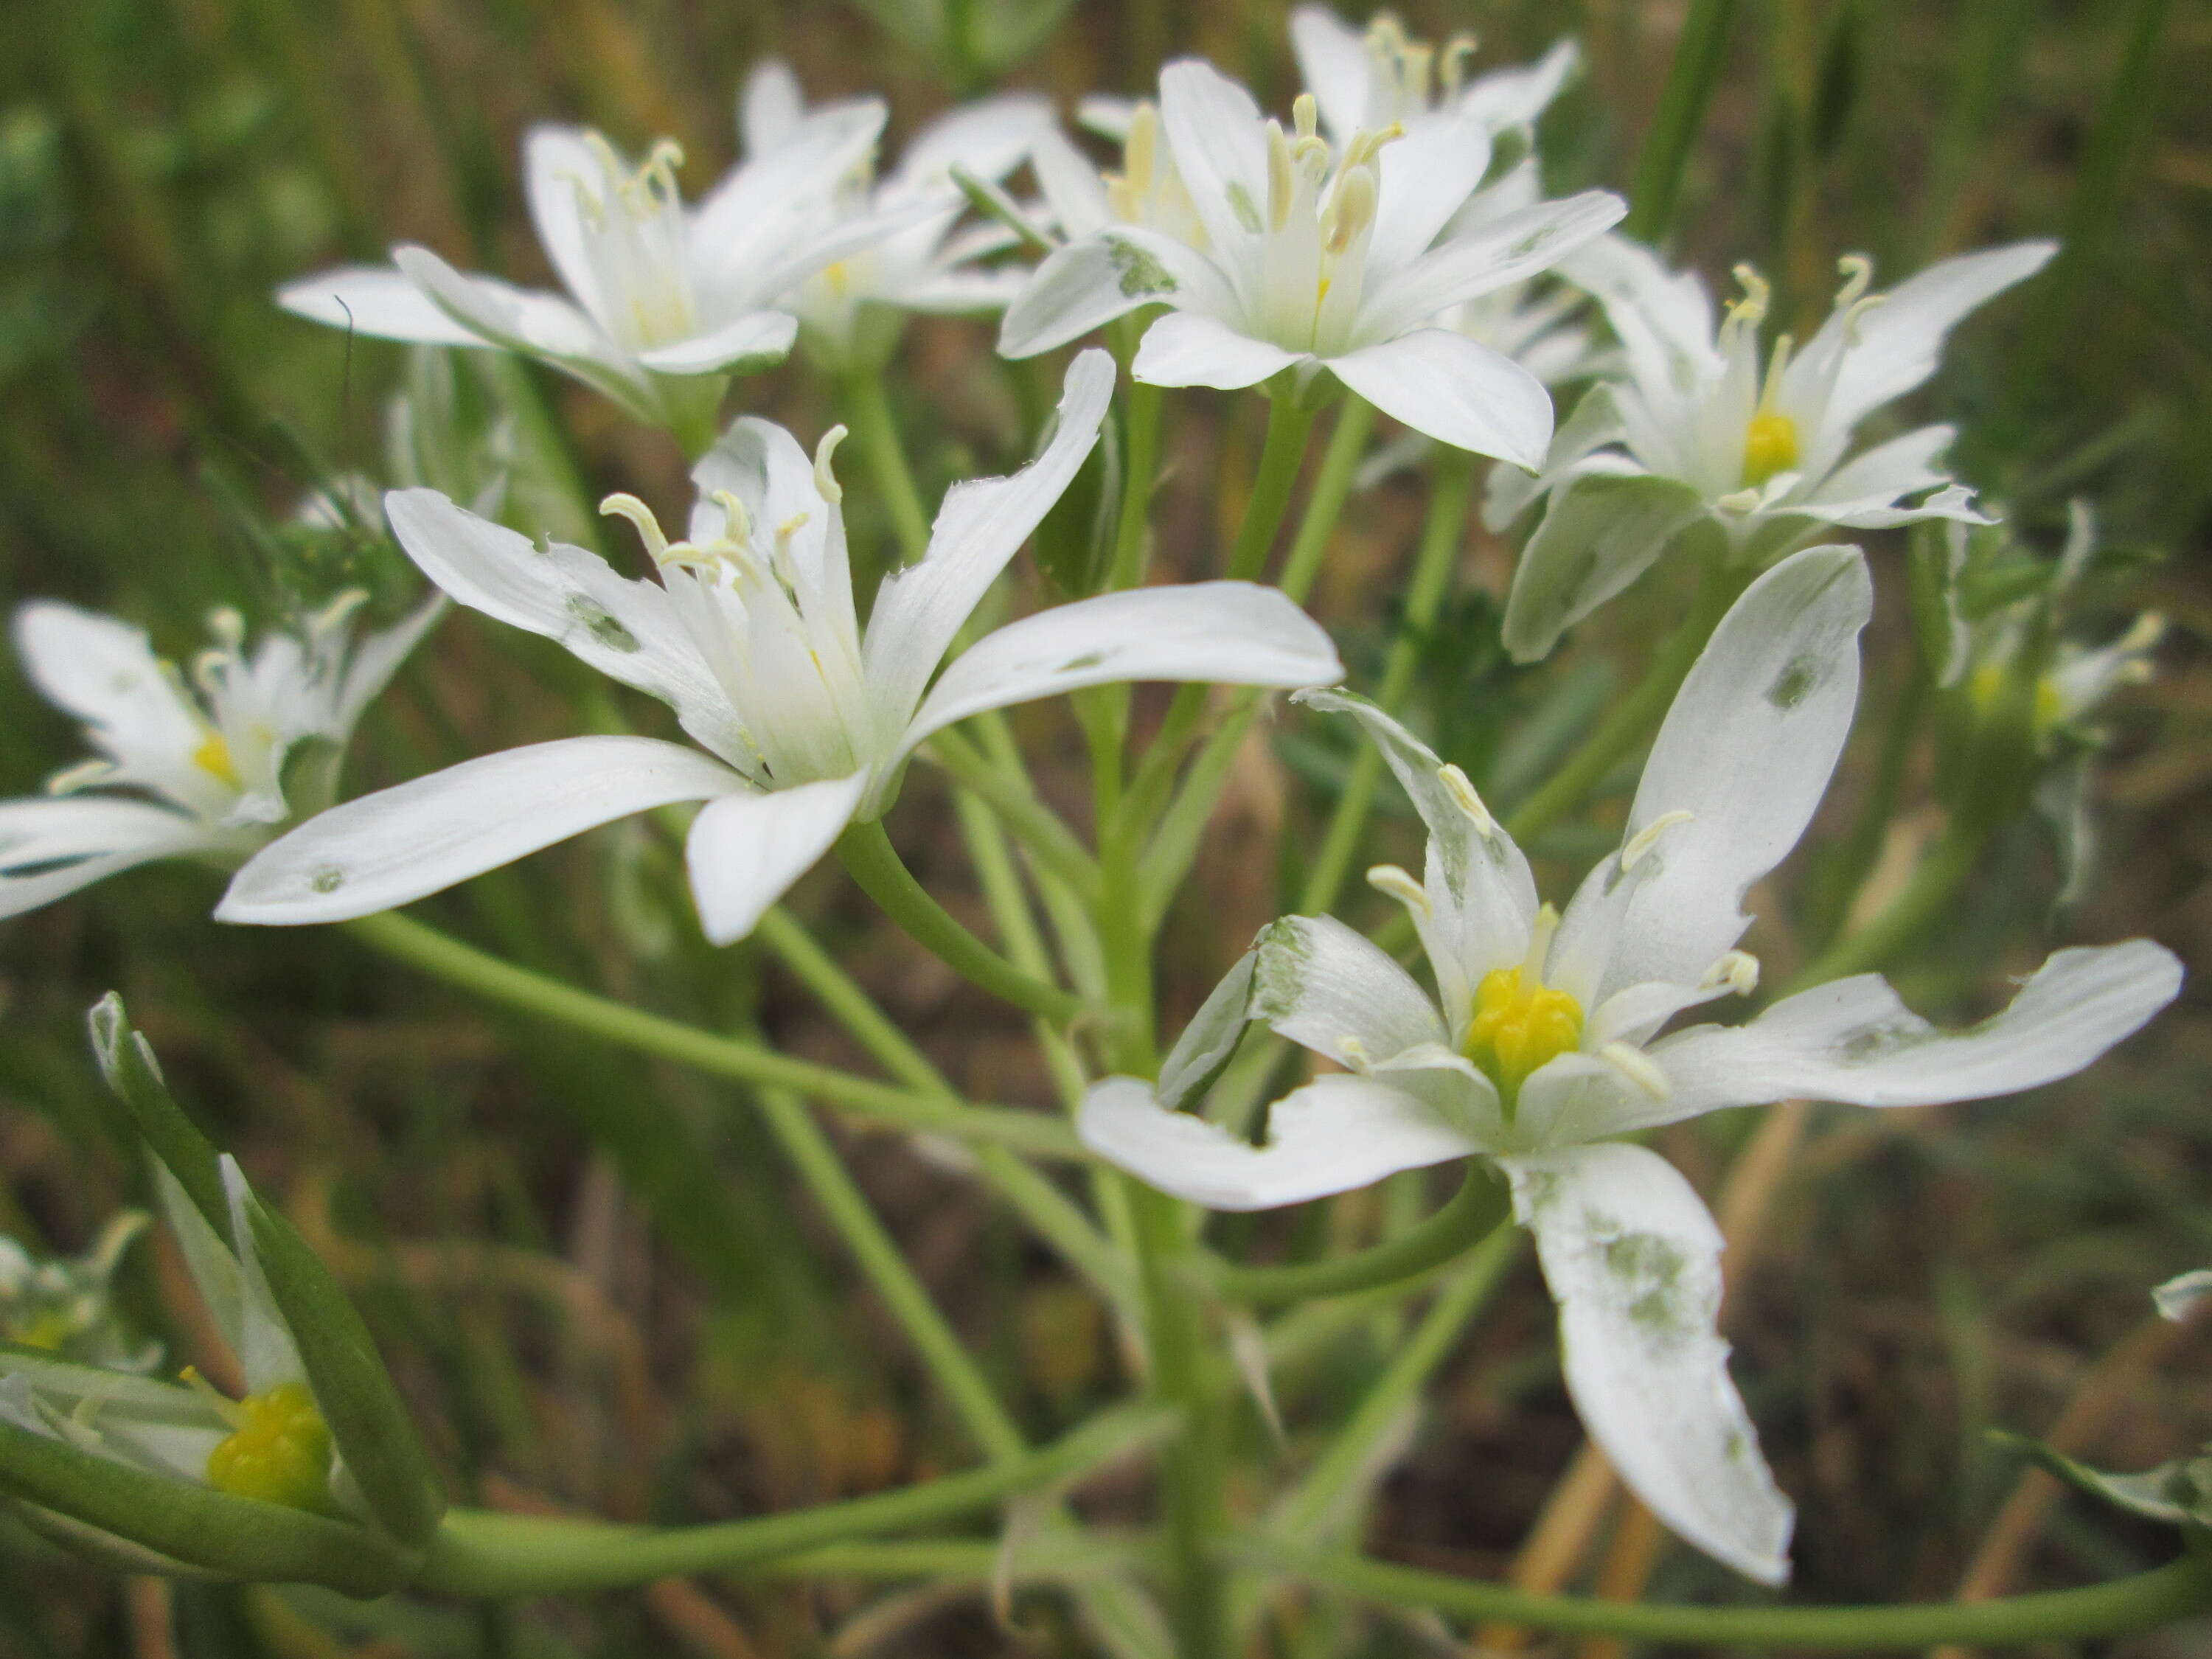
[825,480]
[1743,500]
[1397,883]
[85,774]
[1737,969]
[1350,208]
[228,627]
[1637,1069]
[1305,115]
[339,612]
[737,522]
[1452,62]
[1752,308]
[1633,850]
[1353,1053]
[1278,178]
[2144,632]
[1858,276]
[1462,793]
[622,505]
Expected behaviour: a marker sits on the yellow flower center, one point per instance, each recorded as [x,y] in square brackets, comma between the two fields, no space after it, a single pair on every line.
[1770,445]
[213,756]
[48,1328]
[1518,1027]
[280,1453]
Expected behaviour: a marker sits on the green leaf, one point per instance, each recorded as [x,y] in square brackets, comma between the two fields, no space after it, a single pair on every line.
[2179,1493]
[193,1524]
[374,1434]
[1598,534]
[126,1059]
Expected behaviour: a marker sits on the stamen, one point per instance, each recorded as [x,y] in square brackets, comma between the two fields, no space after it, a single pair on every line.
[1351,210]
[1394,883]
[1637,1069]
[1278,178]
[825,480]
[1737,969]
[2144,632]
[622,505]
[737,523]
[1633,850]
[224,1406]
[228,627]
[1305,115]
[1541,928]
[337,613]
[1777,367]
[1752,308]
[1452,62]
[1858,276]
[1354,1053]
[1463,796]
[1141,147]
[85,774]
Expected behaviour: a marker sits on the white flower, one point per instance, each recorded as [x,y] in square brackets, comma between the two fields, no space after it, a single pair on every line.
[1364,81]
[272,1445]
[1543,1042]
[67,1306]
[258,743]
[1306,258]
[1697,433]
[658,295]
[748,633]
[849,310]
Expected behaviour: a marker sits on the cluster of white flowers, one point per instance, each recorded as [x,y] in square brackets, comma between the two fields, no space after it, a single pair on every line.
[1391,242]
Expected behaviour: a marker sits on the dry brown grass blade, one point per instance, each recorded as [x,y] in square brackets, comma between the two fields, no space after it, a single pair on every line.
[2101,1395]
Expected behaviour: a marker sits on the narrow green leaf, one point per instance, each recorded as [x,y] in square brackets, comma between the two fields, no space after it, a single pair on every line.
[127,1060]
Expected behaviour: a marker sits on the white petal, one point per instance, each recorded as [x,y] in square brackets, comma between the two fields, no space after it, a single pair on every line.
[750,218]
[374,300]
[1481,896]
[1426,177]
[1494,254]
[761,464]
[1664,319]
[1074,191]
[1633,1259]
[378,658]
[104,671]
[2179,1298]
[1747,751]
[1337,1134]
[769,106]
[395,846]
[1854,1041]
[267,1353]
[556,162]
[1599,533]
[99,834]
[1222,633]
[1895,345]
[745,850]
[1458,392]
[755,341]
[537,324]
[980,526]
[1333,63]
[990,137]
[626,629]
[1090,283]
[1211,1036]
[1516,97]
[1106,115]
[1213,130]
[1323,986]
[1593,423]
[1185,349]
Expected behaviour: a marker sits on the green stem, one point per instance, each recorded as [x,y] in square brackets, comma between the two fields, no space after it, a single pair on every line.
[1046,1209]
[1042,829]
[1475,1212]
[464,966]
[1192,1476]
[879,435]
[1140,452]
[2144,1601]
[1340,466]
[1635,717]
[874,863]
[1441,537]
[1900,921]
[1349,1463]
[1689,81]
[841,1200]
[477,1552]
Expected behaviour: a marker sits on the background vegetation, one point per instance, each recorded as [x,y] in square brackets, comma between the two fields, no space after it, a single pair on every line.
[593,1310]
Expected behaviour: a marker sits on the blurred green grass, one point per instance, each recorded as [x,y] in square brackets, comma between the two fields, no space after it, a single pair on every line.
[163,163]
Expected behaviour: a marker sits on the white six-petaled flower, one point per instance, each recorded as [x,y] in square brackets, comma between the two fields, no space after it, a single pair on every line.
[1278,252]
[750,634]
[662,298]
[258,744]
[848,311]
[1543,1041]
[1701,431]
